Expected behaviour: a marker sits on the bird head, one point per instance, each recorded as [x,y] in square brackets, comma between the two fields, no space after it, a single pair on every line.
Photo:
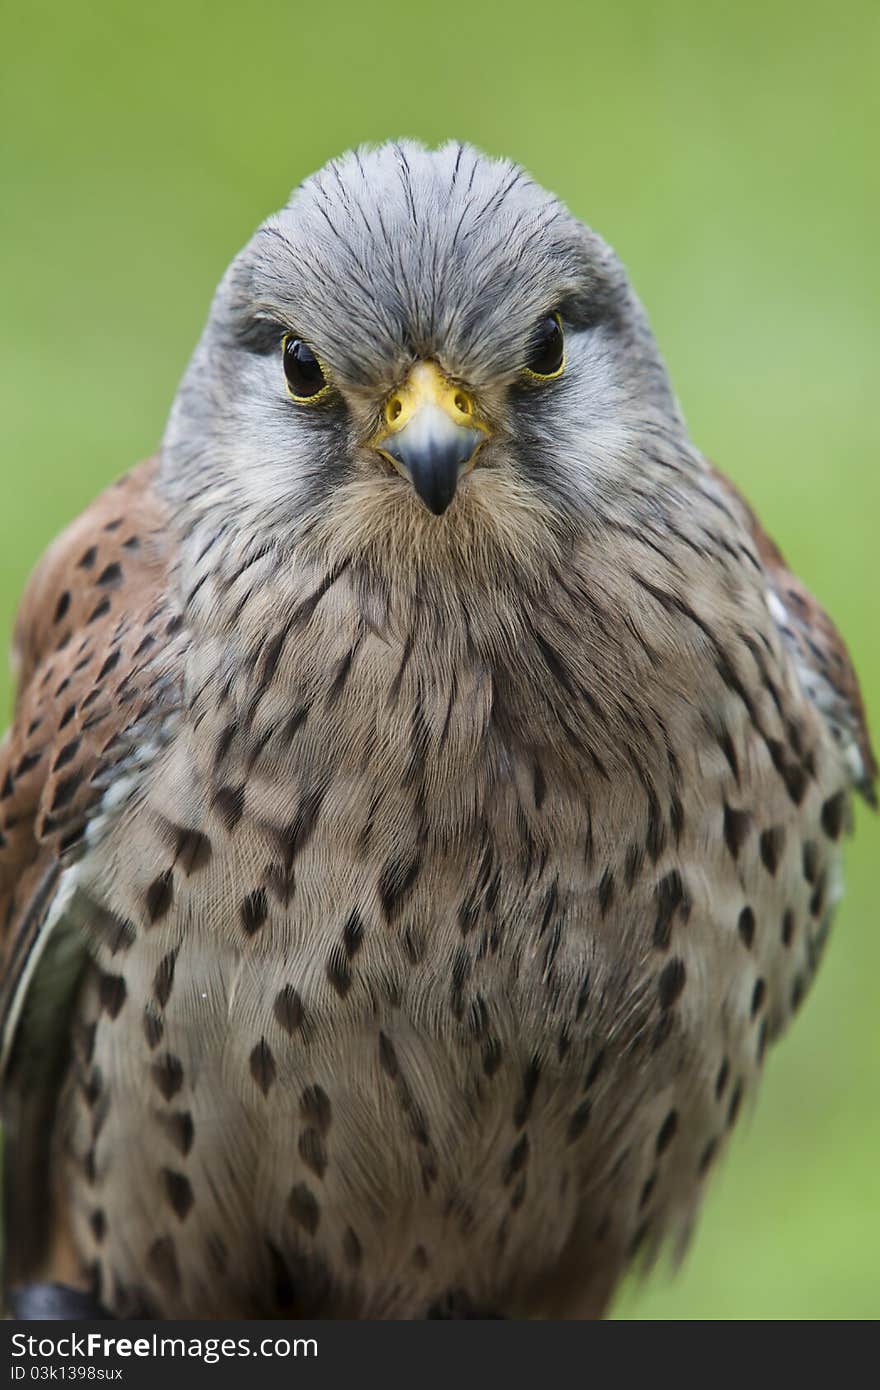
[422,344]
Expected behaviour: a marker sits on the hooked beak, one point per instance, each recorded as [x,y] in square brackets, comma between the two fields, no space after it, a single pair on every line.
[431,433]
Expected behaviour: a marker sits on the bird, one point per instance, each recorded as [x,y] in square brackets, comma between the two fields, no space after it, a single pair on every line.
[425,793]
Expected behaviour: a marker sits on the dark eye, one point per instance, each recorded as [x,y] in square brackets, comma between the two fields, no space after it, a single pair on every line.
[305,376]
[547,352]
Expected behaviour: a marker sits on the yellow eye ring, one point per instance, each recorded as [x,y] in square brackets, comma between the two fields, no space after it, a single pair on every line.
[547,355]
[304,373]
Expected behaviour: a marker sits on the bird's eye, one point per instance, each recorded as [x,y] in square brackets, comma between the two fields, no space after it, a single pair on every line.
[546,357]
[304,373]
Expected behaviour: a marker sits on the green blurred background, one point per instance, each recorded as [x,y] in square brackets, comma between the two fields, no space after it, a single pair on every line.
[729,153]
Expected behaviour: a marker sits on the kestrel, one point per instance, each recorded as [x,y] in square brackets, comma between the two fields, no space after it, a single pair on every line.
[424,794]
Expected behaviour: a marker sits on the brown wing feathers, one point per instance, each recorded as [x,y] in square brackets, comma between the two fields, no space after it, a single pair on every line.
[817,647]
[91,623]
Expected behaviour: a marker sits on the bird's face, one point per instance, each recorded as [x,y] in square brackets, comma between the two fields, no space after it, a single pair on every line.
[420,340]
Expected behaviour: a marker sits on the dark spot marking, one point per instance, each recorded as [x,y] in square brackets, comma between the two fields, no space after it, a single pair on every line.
[112,993]
[667,1131]
[462,966]
[834,815]
[388,1057]
[314,1108]
[655,837]
[817,901]
[294,838]
[179,1128]
[160,895]
[595,1068]
[338,971]
[229,803]
[578,1121]
[396,881]
[288,1009]
[550,903]
[62,606]
[115,933]
[98,1223]
[722,1078]
[414,946]
[772,843]
[340,677]
[707,1156]
[254,911]
[793,776]
[670,982]
[281,881]
[762,1041]
[92,1088]
[312,1151]
[736,829]
[224,741]
[192,849]
[304,1208]
[263,1066]
[179,1192]
[729,750]
[810,859]
[746,927]
[491,1056]
[353,934]
[162,1264]
[758,995]
[516,1159]
[669,896]
[294,723]
[64,791]
[635,858]
[111,574]
[71,840]
[518,1195]
[788,925]
[167,1074]
[539,785]
[735,1102]
[647,1190]
[531,1076]
[154,1027]
[88,557]
[676,817]
[164,978]
[66,754]
[283,1284]
[99,612]
[606,891]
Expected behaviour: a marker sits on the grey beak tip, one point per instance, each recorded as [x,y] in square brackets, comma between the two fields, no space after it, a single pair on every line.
[434,464]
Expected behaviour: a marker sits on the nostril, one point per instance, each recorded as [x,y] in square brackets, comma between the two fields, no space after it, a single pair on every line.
[394,409]
[462,403]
